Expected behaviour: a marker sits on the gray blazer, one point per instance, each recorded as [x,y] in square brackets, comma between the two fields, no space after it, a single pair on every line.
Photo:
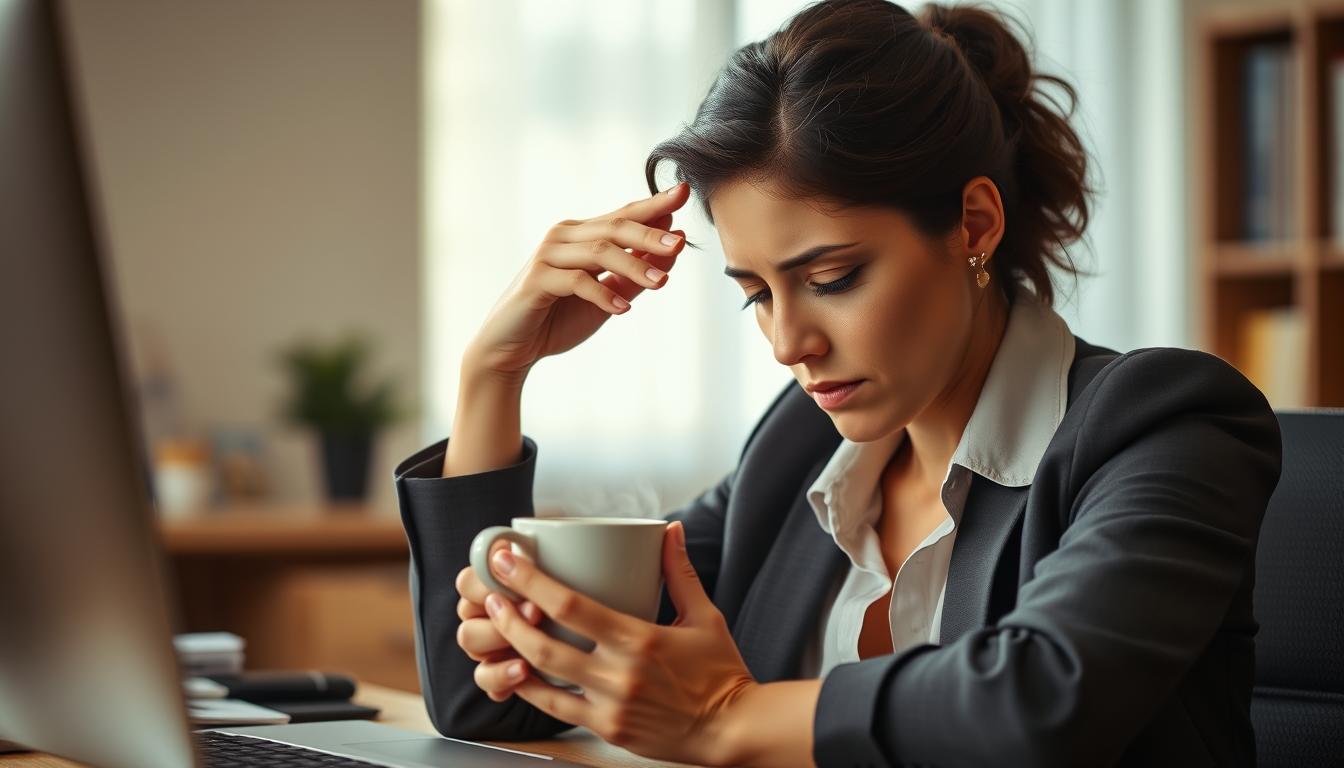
[1099,616]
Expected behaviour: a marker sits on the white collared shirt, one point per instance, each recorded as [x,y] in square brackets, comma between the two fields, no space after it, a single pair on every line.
[1020,405]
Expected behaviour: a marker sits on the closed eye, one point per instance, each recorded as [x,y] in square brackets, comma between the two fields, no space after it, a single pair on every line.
[820,289]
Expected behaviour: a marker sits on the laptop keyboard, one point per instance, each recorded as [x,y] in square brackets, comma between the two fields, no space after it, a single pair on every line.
[227,750]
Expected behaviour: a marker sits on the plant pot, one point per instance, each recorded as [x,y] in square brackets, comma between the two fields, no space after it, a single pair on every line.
[345,464]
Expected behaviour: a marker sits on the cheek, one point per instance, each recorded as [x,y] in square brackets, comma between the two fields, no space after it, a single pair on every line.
[917,331]
[907,317]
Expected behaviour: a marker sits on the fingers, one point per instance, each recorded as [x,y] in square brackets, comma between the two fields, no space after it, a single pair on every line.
[624,232]
[597,256]
[662,222]
[569,608]
[629,289]
[560,704]
[498,677]
[540,650]
[631,244]
[559,283]
[653,206]
[471,603]
[469,585]
[679,575]
[478,637]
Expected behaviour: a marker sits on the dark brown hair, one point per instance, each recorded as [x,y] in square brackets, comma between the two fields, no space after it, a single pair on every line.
[862,102]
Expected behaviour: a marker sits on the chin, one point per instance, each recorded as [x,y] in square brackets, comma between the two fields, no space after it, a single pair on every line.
[858,427]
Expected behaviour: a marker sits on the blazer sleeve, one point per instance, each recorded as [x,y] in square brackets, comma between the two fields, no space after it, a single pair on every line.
[442,515]
[1172,468]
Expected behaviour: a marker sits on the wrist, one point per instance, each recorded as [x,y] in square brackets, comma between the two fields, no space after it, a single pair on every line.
[736,734]
[487,430]
[768,724]
[476,374]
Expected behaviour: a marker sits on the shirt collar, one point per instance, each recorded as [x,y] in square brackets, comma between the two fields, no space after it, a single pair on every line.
[1021,404]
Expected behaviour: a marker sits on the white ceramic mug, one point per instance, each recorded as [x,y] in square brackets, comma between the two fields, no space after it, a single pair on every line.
[617,561]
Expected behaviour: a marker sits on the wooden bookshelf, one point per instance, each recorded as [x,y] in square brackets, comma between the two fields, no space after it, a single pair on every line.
[1304,269]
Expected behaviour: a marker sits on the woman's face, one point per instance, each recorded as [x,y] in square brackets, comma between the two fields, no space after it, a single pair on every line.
[898,319]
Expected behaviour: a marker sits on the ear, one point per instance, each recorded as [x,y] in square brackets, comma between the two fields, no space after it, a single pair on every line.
[982,218]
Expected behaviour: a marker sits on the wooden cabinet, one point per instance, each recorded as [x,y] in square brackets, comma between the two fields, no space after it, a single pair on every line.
[307,587]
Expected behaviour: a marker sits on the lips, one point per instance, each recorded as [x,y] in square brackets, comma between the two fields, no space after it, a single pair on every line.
[833,395]
[823,387]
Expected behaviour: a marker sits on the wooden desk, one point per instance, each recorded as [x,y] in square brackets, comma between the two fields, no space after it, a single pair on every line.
[407,710]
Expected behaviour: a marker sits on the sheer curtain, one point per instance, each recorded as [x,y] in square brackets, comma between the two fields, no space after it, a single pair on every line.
[541,110]
[1125,59]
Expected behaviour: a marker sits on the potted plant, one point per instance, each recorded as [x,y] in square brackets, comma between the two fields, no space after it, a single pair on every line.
[329,393]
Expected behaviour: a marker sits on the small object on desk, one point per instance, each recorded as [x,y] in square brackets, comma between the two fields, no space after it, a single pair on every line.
[203,688]
[267,686]
[182,478]
[319,711]
[232,712]
[207,653]
[307,696]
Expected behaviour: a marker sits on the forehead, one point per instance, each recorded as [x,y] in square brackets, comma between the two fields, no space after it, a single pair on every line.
[758,224]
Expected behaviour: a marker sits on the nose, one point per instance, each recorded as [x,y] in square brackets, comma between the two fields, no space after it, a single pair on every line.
[793,335]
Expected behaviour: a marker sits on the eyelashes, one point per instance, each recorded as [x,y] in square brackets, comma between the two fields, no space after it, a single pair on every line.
[822,289]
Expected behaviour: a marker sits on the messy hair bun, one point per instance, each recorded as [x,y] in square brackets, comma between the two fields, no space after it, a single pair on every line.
[863,102]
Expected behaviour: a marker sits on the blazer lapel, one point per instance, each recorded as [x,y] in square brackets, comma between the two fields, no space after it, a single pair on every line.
[781,610]
[991,514]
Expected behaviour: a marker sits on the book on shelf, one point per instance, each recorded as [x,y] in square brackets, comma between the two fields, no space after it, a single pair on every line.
[1335,152]
[1273,354]
[1269,128]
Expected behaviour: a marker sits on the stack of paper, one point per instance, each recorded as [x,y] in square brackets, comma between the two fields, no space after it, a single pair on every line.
[232,712]
[217,653]
[209,653]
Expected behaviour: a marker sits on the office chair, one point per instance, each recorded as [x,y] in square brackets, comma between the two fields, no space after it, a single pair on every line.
[1297,705]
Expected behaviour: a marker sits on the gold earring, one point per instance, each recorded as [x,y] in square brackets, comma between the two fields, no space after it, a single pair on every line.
[981,277]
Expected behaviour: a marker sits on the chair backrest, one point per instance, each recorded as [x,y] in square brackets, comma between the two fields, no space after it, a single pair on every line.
[1298,703]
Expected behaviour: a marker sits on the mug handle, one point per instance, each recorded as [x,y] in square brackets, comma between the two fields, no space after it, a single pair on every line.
[480,553]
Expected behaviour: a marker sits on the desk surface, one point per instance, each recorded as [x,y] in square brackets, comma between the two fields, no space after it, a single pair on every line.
[407,710]
[269,528]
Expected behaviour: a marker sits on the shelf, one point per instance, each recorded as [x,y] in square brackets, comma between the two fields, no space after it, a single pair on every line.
[336,530]
[1329,339]
[1250,259]
[1332,257]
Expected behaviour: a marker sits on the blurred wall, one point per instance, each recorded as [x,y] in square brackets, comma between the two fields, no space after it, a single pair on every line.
[258,167]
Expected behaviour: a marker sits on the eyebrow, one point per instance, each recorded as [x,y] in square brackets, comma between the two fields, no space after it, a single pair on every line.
[811,254]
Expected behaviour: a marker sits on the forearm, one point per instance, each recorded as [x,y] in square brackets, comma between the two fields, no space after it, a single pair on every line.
[770,725]
[487,429]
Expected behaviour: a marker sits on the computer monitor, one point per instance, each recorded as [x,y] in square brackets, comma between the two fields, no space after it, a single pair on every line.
[86,663]
[87,668]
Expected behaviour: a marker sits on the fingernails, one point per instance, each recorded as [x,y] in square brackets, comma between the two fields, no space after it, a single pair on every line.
[514,671]
[669,239]
[654,274]
[504,562]
[493,604]
[672,190]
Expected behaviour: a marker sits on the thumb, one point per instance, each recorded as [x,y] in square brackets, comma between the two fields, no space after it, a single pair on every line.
[683,583]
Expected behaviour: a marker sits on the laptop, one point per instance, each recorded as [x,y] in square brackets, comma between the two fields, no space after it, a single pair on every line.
[87,669]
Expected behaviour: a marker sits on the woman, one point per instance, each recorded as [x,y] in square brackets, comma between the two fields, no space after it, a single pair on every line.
[964,537]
